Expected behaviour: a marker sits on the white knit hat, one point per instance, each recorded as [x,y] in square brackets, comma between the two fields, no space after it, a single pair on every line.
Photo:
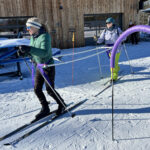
[34,22]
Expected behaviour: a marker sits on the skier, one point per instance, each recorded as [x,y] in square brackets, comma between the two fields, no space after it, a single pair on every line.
[41,53]
[109,36]
[133,36]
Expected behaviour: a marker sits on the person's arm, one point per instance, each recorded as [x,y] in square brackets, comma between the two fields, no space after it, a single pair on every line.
[101,39]
[45,44]
[119,31]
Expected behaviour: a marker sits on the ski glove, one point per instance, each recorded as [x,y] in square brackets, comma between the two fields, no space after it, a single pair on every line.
[23,50]
[95,38]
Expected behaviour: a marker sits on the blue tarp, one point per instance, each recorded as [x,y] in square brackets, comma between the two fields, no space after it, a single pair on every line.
[10,44]
[6,43]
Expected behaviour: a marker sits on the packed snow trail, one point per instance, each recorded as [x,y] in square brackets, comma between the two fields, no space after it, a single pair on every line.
[91,128]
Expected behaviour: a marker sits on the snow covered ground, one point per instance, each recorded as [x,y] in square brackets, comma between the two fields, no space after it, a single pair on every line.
[91,129]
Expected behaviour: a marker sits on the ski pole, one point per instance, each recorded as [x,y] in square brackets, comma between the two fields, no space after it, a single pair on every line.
[128,58]
[27,65]
[112,107]
[100,70]
[73,39]
[31,71]
[42,73]
[71,114]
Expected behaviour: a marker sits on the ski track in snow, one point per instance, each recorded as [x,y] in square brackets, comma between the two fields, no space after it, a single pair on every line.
[91,128]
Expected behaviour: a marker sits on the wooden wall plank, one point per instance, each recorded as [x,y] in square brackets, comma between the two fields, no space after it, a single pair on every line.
[80,25]
[71,16]
[29,7]
[64,22]
[10,7]
[2,8]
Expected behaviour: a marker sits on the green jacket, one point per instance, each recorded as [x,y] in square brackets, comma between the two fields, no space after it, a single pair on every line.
[41,51]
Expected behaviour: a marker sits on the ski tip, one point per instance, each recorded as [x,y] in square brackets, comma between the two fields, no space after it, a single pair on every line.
[7,144]
[84,100]
[73,115]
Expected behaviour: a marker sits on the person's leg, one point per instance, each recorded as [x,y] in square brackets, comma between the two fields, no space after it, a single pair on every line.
[114,74]
[38,85]
[132,38]
[136,38]
[50,72]
[108,53]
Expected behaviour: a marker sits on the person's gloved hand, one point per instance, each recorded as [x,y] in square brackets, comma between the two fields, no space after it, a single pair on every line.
[24,49]
[95,38]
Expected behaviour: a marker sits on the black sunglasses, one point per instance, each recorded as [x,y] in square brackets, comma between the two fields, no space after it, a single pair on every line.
[108,22]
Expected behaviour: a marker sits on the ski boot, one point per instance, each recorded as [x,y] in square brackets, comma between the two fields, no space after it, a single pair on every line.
[45,111]
[61,108]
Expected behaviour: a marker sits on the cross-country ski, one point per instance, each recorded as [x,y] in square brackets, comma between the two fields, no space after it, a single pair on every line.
[74,75]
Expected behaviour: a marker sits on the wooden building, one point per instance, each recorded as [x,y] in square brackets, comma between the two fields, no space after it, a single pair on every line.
[63,17]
